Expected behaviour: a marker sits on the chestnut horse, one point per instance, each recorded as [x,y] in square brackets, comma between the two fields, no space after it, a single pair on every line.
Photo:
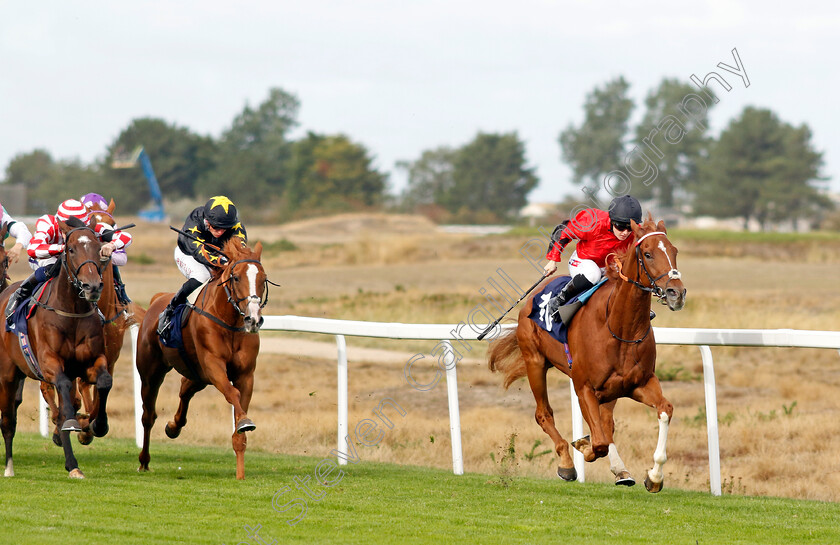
[220,346]
[613,353]
[66,339]
[118,318]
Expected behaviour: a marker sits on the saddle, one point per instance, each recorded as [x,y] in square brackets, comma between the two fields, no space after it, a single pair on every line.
[559,329]
[173,337]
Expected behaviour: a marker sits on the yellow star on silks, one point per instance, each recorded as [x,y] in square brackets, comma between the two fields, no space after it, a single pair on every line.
[194,230]
[222,201]
[212,258]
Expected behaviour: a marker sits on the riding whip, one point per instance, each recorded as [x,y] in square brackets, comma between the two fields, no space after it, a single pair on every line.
[499,319]
[211,246]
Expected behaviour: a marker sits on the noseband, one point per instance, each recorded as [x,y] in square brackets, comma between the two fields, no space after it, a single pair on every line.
[653,288]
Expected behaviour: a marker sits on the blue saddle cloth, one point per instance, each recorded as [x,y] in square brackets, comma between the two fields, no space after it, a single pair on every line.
[23,312]
[539,314]
[172,337]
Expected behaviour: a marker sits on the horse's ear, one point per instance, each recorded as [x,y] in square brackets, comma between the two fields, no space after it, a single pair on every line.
[258,249]
[4,232]
[111,206]
[637,229]
[661,226]
[63,227]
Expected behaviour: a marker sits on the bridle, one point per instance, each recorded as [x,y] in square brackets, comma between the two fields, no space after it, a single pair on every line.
[653,288]
[236,303]
[73,278]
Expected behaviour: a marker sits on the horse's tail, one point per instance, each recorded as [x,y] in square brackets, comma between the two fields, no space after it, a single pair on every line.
[505,357]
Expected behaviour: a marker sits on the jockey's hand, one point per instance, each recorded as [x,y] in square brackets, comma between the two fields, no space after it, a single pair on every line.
[106,250]
[14,252]
[550,268]
[223,261]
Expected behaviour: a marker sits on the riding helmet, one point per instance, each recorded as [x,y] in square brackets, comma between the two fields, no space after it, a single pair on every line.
[71,208]
[625,208]
[220,212]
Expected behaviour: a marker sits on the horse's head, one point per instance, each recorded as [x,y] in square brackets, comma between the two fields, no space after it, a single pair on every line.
[101,213]
[657,260]
[81,258]
[4,259]
[245,282]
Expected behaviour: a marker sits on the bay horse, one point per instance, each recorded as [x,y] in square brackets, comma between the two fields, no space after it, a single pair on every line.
[4,259]
[66,339]
[613,353]
[117,319]
[220,346]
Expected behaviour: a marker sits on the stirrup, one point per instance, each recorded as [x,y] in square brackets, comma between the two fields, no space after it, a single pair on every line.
[652,315]
[164,321]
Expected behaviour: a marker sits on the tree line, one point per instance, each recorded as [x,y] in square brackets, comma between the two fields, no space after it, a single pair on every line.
[759,168]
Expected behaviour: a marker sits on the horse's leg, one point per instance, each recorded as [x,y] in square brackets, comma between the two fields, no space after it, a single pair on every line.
[89,402]
[544,414]
[48,393]
[622,476]
[216,373]
[245,385]
[651,395]
[11,395]
[188,389]
[63,385]
[104,381]
[151,377]
[596,445]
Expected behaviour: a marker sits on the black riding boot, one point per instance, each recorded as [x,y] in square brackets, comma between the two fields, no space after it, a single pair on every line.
[178,299]
[24,291]
[576,285]
[122,296]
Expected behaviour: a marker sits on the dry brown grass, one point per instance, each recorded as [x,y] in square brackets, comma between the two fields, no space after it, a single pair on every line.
[779,408]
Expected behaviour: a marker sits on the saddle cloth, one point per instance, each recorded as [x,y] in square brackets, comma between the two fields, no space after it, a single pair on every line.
[540,315]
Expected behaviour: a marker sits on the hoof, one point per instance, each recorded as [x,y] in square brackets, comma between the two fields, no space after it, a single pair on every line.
[653,487]
[76,474]
[171,431]
[245,425]
[71,424]
[567,473]
[85,437]
[581,443]
[99,427]
[624,479]
[142,469]
[56,439]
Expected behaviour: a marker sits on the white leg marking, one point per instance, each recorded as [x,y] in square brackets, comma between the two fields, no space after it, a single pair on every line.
[659,457]
[10,469]
[616,464]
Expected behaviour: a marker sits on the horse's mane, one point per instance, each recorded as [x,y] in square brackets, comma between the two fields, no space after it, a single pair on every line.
[612,273]
[235,249]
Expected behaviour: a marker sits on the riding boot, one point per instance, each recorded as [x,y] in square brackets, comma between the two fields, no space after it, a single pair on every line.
[576,285]
[122,296]
[24,291]
[179,298]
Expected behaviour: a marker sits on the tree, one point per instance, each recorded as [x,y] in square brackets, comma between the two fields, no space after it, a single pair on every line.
[49,182]
[333,173]
[597,147]
[251,165]
[179,157]
[761,168]
[671,140]
[489,174]
[429,178]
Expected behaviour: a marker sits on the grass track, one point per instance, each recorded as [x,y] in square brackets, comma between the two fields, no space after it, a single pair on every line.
[374,503]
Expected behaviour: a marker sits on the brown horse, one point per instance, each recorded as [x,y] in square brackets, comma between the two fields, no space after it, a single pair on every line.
[220,346]
[613,353]
[117,319]
[66,339]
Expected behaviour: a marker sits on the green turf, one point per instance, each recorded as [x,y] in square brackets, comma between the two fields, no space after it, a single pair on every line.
[191,496]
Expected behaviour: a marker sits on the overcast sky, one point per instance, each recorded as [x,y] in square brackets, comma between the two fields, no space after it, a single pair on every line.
[400,76]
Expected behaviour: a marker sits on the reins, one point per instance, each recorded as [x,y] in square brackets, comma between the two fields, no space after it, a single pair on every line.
[653,288]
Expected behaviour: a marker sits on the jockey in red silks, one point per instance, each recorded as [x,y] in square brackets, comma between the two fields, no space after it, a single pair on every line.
[47,244]
[17,229]
[214,223]
[95,201]
[598,234]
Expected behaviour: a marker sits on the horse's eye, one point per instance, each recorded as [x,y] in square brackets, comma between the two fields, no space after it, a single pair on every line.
[647,255]
[234,277]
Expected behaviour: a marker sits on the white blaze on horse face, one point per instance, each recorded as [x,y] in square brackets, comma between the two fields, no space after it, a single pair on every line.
[83,239]
[253,298]
[673,273]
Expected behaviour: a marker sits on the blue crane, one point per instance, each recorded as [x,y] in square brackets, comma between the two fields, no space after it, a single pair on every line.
[139,155]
